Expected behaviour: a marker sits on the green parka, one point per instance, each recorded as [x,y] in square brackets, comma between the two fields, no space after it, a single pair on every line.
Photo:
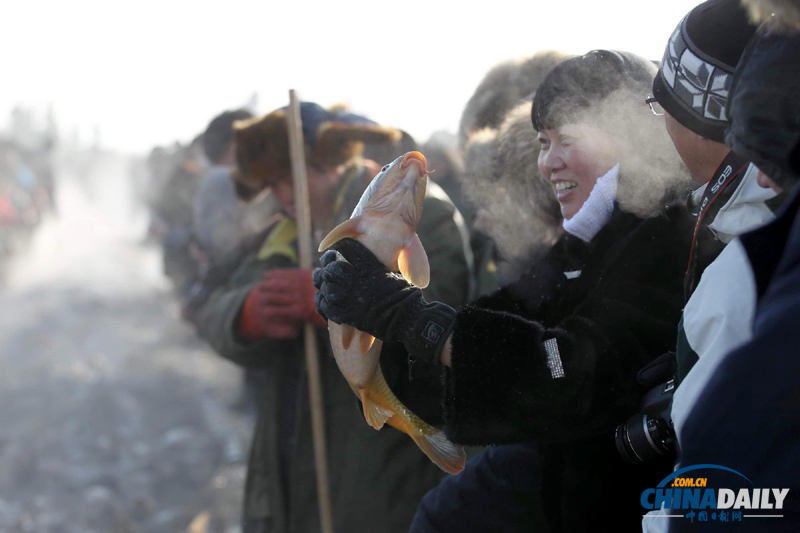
[377,477]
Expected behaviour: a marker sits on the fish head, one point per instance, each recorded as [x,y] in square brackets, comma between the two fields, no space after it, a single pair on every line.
[399,188]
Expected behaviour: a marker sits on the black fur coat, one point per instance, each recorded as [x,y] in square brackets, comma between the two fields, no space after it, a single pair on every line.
[551,360]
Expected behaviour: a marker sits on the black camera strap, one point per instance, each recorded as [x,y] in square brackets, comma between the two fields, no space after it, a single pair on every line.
[721,187]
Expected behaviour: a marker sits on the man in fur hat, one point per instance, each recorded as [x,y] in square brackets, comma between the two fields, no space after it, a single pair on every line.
[256,320]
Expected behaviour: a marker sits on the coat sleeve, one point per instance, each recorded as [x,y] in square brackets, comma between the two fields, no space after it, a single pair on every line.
[514,379]
[218,319]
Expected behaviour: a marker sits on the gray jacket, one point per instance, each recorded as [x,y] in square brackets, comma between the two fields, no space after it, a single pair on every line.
[216,213]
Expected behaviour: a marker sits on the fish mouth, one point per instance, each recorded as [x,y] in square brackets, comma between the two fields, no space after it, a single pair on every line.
[413,184]
[416,158]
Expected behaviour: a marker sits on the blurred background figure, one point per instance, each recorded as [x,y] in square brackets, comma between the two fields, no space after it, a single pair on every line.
[503,88]
[173,210]
[216,210]
[159,164]
[444,158]
[25,197]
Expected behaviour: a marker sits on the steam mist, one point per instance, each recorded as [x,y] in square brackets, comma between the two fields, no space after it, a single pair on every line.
[652,173]
[89,243]
[115,415]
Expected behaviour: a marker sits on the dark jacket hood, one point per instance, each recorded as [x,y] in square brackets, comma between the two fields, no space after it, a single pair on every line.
[765,110]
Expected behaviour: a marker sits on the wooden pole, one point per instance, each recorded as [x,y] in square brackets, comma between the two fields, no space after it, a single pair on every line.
[310,335]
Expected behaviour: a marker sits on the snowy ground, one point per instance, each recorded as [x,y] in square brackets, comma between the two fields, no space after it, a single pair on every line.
[114,416]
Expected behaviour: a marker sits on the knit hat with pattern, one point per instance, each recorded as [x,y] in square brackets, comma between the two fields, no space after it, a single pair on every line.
[697,69]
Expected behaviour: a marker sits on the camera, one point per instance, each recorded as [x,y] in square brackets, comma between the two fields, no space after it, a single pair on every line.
[649,434]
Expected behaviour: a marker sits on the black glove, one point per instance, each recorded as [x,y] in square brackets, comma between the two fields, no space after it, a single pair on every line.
[361,292]
[659,370]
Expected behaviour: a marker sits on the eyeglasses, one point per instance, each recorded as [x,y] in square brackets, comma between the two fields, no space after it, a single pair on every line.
[655,107]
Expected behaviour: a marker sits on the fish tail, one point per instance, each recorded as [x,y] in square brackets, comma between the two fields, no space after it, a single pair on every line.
[446,455]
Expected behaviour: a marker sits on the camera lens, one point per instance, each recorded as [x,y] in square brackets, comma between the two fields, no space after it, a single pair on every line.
[643,438]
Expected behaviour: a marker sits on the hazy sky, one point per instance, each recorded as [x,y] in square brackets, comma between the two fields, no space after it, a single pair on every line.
[149,72]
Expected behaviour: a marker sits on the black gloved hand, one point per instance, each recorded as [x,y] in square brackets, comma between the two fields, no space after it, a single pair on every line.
[659,370]
[361,292]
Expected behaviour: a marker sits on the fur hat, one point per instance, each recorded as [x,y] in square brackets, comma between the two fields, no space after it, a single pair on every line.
[503,88]
[262,144]
[517,207]
[697,69]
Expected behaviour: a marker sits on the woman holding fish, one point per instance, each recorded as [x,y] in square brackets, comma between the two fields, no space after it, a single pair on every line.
[546,367]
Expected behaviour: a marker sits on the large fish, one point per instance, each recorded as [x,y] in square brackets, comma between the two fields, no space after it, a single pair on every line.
[385,221]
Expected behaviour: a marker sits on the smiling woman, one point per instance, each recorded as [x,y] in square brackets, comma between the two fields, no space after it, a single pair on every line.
[589,119]
[573,158]
[546,366]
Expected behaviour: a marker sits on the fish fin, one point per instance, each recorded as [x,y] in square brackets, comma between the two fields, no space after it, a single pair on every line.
[348,332]
[365,341]
[375,415]
[413,263]
[348,228]
[446,455]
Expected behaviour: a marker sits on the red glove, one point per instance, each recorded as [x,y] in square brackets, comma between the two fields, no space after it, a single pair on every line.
[294,290]
[278,307]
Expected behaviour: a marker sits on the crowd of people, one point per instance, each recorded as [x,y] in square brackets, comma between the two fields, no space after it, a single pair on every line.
[602,226]
[27,194]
